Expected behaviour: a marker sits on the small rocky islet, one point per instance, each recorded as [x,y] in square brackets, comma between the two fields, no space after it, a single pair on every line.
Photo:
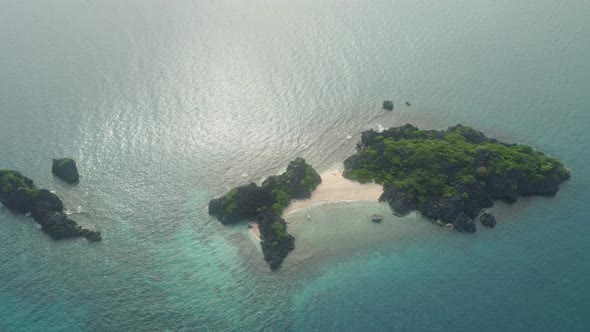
[388,105]
[377,218]
[19,194]
[449,176]
[65,169]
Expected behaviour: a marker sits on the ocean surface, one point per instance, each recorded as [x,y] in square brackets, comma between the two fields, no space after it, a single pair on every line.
[167,104]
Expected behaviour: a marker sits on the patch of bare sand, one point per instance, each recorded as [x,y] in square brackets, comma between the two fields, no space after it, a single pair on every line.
[336,188]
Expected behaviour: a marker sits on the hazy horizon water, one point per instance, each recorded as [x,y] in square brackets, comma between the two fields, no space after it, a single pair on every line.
[164,106]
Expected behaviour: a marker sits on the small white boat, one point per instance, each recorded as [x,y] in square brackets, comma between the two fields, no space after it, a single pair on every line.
[308,217]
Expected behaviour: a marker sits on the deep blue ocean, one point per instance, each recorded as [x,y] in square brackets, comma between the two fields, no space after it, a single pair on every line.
[167,104]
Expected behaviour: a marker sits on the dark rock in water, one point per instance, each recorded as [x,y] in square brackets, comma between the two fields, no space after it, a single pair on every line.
[448,209]
[487,219]
[19,194]
[377,218]
[401,201]
[18,201]
[92,236]
[65,169]
[388,105]
[408,103]
[45,202]
[464,224]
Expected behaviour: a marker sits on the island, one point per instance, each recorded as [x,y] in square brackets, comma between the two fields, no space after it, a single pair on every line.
[65,169]
[449,176]
[265,204]
[19,194]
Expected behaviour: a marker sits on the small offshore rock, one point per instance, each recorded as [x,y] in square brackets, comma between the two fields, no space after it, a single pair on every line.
[487,219]
[65,169]
[377,218]
[388,105]
[91,236]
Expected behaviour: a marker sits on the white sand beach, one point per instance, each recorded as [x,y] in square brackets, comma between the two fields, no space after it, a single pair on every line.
[336,188]
[254,228]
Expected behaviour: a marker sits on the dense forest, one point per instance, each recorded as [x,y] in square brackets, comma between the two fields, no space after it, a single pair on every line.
[265,204]
[450,175]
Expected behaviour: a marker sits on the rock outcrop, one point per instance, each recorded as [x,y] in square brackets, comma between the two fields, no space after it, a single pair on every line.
[463,223]
[377,218]
[65,169]
[19,194]
[388,105]
[487,219]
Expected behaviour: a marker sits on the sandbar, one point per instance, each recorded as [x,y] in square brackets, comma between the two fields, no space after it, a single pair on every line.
[336,188]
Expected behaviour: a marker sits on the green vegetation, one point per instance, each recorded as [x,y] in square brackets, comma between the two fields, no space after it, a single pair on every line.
[275,241]
[266,203]
[66,169]
[13,183]
[429,170]
[64,162]
[275,193]
[13,180]
[19,194]
[298,181]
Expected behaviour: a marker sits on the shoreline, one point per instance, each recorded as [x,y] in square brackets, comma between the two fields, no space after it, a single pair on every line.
[253,225]
[334,188]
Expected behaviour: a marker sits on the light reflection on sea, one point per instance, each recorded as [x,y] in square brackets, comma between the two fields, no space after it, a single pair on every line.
[165,106]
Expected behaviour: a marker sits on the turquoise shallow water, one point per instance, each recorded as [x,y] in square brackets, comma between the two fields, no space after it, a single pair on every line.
[165,106]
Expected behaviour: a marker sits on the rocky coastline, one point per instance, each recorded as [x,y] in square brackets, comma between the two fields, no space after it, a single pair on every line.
[19,194]
[451,175]
[265,204]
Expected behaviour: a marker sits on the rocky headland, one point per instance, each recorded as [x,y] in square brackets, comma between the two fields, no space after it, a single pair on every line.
[19,194]
[265,204]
